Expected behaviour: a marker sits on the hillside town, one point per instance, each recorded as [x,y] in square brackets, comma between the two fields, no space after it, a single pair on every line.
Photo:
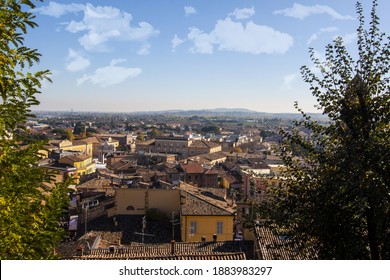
[164,186]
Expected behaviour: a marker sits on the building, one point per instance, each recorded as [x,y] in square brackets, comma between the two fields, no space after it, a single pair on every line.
[155,158]
[137,201]
[125,140]
[181,146]
[257,182]
[200,147]
[77,146]
[209,159]
[172,145]
[196,174]
[83,165]
[107,147]
[205,217]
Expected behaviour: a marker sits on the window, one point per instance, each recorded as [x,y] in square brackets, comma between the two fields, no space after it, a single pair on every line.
[193,227]
[219,227]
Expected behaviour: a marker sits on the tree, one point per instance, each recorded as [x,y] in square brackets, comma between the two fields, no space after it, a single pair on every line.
[80,128]
[69,135]
[140,136]
[154,133]
[335,191]
[29,209]
[211,129]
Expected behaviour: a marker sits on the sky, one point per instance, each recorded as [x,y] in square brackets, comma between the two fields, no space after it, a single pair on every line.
[148,55]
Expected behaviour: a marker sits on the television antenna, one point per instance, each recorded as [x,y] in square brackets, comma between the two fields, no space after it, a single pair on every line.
[143,234]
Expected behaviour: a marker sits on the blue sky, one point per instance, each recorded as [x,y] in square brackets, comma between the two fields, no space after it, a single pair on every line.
[143,55]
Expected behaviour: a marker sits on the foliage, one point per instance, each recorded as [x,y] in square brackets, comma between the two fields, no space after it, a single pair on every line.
[29,208]
[69,135]
[211,129]
[141,136]
[79,128]
[335,194]
[154,133]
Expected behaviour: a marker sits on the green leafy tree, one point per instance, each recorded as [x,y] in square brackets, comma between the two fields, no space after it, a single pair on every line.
[335,192]
[79,128]
[29,209]
[211,129]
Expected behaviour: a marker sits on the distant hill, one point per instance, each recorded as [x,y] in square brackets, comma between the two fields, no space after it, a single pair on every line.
[218,112]
[232,112]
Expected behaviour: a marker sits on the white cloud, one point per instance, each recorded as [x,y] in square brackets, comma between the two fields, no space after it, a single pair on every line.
[145,49]
[176,41]
[203,42]
[301,12]
[322,30]
[76,62]
[55,9]
[189,10]
[289,79]
[101,25]
[110,75]
[243,13]
[235,36]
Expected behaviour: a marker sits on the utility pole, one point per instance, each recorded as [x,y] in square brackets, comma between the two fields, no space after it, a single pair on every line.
[143,234]
[86,219]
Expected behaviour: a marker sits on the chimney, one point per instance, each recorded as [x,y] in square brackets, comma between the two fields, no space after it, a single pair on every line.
[112,249]
[173,247]
[214,238]
[203,238]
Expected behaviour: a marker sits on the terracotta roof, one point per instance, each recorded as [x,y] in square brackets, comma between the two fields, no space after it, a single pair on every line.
[227,176]
[204,144]
[93,139]
[76,158]
[169,138]
[198,204]
[211,172]
[192,168]
[111,135]
[274,247]
[146,143]
[123,165]
[96,247]
[97,184]
[124,254]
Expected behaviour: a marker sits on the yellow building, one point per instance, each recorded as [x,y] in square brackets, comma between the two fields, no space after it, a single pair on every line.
[80,146]
[82,163]
[200,147]
[204,218]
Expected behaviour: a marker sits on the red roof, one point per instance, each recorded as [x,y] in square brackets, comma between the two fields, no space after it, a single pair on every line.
[192,168]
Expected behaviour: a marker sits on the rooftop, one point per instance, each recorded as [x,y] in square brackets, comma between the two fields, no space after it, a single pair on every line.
[104,246]
[275,247]
[197,201]
[192,168]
